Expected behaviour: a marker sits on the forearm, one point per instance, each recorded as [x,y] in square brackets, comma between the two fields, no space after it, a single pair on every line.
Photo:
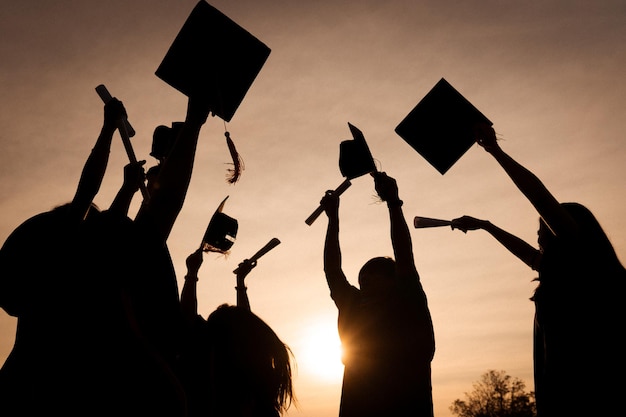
[173,182]
[527,182]
[332,256]
[93,172]
[121,202]
[189,297]
[535,191]
[242,295]
[518,247]
[400,237]
[401,240]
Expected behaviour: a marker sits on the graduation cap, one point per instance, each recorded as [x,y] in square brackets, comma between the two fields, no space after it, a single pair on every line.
[440,127]
[221,232]
[215,58]
[163,140]
[355,158]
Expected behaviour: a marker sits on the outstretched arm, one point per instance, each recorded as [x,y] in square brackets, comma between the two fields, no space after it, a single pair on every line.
[524,251]
[387,190]
[174,177]
[189,295]
[134,176]
[336,279]
[555,216]
[96,164]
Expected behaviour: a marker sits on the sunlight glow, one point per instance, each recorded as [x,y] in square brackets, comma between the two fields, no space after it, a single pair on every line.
[321,355]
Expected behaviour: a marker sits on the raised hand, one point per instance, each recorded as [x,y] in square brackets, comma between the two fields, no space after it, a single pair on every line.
[114,113]
[134,175]
[194,261]
[485,136]
[330,203]
[386,186]
[466,223]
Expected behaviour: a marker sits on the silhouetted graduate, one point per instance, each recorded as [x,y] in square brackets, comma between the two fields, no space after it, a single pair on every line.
[234,364]
[213,61]
[385,325]
[76,348]
[579,303]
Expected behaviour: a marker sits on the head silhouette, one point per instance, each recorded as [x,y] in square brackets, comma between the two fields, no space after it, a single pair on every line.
[597,243]
[377,275]
[591,231]
[54,233]
[151,178]
[545,237]
[251,370]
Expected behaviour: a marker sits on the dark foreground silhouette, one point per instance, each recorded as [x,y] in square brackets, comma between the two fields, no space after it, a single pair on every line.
[79,345]
[98,314]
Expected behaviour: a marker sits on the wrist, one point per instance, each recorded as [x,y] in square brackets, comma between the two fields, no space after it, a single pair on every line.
[396,202]
[191,277]
[109,126]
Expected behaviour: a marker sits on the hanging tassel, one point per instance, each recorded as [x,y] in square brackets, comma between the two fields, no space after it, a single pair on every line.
[238,165]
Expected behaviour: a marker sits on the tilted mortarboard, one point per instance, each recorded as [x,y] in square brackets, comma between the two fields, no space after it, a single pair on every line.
[163,140]
[355,158]
[221,232]
[214,58]
[440,127]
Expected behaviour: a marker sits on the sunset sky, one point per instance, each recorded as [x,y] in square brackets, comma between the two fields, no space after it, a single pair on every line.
[549,75]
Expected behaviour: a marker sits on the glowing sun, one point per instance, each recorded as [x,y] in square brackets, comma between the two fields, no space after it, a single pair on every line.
[321,353]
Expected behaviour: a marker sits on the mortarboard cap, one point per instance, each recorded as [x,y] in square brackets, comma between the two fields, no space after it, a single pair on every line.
[355,158]
[213,57]
[440,127]
[221,232]
[163,140]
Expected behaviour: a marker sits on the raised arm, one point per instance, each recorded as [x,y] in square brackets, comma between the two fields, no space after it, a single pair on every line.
[336,279]
[96,164]
[242,291]
[189,295]
[387,190]
[134,176]
[168,195]
[524,251]
[555,216]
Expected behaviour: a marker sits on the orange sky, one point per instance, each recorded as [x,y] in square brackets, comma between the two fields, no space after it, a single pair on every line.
[548,74]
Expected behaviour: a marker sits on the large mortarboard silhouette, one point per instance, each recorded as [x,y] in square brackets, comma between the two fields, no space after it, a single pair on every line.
[214,57]
[440,127]
[221,232]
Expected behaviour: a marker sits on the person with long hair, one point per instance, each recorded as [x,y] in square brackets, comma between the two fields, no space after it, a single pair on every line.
[579,307]
[234,364]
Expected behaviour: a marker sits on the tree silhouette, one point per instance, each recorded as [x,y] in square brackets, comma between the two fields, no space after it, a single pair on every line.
[496,395]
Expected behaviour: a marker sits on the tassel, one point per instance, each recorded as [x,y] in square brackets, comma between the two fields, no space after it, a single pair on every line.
[238,165]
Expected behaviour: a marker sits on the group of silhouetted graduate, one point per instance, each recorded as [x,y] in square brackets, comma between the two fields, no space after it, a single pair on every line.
[102,328]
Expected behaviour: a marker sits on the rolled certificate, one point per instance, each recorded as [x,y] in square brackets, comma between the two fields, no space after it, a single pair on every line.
[422,222]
